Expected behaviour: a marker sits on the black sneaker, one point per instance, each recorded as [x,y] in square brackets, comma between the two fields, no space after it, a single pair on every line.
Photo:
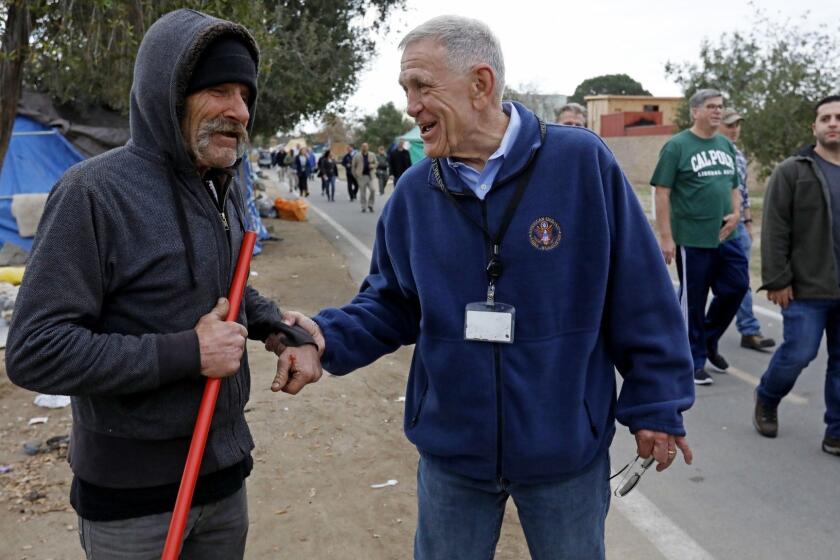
[702,377]
[831,445]
[717,360]
[370,209]
[766,420]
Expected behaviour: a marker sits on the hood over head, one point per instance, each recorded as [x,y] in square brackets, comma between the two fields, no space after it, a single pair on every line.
[166,60]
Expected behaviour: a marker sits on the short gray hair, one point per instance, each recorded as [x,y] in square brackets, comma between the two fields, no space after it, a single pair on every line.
[467,42]
[575,108]
[701,95]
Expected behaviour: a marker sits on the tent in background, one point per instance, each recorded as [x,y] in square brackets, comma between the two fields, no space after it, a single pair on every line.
[37,156]
[415,144]
[47,140]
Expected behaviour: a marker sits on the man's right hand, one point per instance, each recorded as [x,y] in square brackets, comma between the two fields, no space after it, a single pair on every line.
[781,297]
[220,343]
[669,249]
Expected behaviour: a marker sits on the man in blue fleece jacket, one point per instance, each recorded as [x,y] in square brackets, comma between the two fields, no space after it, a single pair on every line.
[518,261]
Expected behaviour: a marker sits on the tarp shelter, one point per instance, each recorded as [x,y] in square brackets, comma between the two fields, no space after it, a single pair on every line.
[245,178]
[37,156]
[47,140]
[415,144]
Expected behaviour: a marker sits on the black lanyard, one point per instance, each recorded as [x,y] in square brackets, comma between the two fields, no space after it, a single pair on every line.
[494,265]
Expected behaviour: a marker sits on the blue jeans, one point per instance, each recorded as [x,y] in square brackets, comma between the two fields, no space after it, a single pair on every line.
[328,187]
[804,323]
[460,518]
[331,189]
[745,320]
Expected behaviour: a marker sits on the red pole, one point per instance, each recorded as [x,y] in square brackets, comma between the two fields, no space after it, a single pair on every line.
[174,538]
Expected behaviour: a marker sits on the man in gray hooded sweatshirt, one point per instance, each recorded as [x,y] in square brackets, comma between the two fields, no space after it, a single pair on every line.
[122,306]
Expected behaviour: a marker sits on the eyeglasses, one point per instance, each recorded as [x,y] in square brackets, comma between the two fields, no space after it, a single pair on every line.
[632,475]
[711,107]
[736,124]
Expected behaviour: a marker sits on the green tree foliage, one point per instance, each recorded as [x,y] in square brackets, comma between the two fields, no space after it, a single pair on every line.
[381,129]
[608,84]
[312,50]
[772,73]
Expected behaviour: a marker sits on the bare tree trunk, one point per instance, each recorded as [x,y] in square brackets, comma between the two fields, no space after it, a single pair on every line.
[15,49]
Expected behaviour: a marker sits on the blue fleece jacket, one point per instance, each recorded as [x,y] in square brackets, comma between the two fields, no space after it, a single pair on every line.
[593,297]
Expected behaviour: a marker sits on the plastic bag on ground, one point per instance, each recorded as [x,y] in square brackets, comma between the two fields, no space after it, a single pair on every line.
[294,210]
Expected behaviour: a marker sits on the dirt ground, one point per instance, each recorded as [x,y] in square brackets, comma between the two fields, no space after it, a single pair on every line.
[317,453]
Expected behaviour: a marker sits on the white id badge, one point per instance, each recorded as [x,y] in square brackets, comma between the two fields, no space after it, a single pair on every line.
[489,322]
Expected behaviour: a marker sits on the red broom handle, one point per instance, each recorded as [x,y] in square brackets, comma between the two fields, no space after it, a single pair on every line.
[174,538]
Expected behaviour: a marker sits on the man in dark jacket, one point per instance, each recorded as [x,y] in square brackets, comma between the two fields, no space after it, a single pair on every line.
[400,161]
[800,252]
[352,184]
[541,220]
[122,306]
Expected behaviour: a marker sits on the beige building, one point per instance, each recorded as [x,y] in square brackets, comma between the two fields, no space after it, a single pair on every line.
[601,105]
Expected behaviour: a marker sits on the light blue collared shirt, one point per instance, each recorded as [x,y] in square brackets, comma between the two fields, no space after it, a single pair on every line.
[480,183]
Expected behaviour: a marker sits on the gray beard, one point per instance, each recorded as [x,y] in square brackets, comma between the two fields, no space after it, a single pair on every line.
[202,147]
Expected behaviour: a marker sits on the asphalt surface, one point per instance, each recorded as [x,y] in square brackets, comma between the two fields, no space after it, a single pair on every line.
[745,496]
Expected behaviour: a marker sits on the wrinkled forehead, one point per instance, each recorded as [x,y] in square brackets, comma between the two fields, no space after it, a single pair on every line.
[423,59]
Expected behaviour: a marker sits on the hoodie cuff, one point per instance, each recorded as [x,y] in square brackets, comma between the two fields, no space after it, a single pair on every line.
[178,356]
[295,335]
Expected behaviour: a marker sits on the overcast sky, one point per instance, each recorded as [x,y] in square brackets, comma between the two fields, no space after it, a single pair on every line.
[550,46]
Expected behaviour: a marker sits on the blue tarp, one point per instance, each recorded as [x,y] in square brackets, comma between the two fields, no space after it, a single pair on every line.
[37,156]
[253,215]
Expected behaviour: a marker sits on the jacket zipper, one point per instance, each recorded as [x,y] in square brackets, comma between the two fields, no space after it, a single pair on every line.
[497,371]
[222,211]
[416,417]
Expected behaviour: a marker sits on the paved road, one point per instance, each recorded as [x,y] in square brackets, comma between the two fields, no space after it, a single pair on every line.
[745,497]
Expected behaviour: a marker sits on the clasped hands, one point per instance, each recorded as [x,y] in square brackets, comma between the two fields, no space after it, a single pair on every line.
[297,366]
[222,345]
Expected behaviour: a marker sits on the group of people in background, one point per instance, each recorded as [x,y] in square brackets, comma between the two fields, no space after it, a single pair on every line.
[298,165]
[705,225]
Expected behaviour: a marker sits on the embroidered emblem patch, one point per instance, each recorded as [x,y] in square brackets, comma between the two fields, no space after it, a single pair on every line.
[545,233]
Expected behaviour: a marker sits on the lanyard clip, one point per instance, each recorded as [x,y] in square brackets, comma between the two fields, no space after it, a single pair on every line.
[494,267]
[491,293]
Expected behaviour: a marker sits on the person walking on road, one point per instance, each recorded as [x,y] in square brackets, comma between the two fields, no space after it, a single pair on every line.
[327,170]
[122,308]
[347,163]
[745,321]
[697,211]
[399,161]
[364,167]
[382,169]
[800,252]
[303,169]
[500,404]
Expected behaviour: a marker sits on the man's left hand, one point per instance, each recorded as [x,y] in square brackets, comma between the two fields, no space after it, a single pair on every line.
[297,367]
[730,222]
[663,447]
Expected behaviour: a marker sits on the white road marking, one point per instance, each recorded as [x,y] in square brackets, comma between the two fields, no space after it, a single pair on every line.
[769,313]
[354,241]
[750,379]
[671,541]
